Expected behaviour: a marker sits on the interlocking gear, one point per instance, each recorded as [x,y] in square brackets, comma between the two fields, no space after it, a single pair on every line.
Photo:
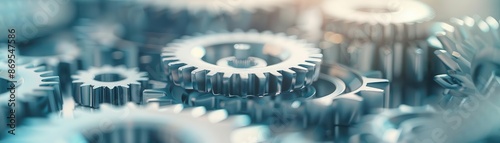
[283,113]
[273,63]
[469,43]
[114,85]
[403,124]
[36,92]
[145,124]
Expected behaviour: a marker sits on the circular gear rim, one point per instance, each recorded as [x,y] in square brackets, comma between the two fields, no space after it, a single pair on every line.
[300,69]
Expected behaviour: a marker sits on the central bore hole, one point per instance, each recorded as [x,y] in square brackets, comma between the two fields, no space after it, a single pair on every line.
[376,10]
[4,83]
[109,77]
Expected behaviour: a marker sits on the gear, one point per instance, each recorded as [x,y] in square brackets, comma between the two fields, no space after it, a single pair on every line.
[201,15]
[114,85]
[463,40]
[284,112]
[195,63]
[387,36]
[403,124]
[36,92]
[379,21]
[57,53]
[368,89]
[149,124]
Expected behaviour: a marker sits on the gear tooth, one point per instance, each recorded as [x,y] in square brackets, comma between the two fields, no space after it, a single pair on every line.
[150,94]
[198,79]
[301,74]
[185,76]
[237,121]
[153,106]
[217,116]
[289,77]
[275,82]
[106,107]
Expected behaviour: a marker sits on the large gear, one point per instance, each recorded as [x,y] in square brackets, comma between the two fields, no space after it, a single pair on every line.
[386,35]
[36,92]
[114,85]
[145,124]
[262,63]
[378,21]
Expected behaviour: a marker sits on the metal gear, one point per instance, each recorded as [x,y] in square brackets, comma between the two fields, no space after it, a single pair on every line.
[114,85]
[387,36]
[36,92]
[145,124]
[404,124]
[378,21]
[58,53]
[463,40]
[268,63]
[260,109]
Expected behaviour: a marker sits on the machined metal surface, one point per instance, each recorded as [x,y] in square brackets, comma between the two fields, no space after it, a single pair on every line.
[192,63]
[107,84]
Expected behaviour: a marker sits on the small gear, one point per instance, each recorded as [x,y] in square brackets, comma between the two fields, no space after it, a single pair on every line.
[145,124]
[114,85]
[269,63]
[58,53]
[36,92]
[469,43]
[404,124]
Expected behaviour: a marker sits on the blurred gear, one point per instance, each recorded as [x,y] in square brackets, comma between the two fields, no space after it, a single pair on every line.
[470,45]
[242,63]
[145,124]
[404,124]
[114,85]
[58,53]
[36,92]
[102,44]
[386,35]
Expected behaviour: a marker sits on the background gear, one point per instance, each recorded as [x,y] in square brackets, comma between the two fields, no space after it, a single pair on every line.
[387,36]
[149,124]
[114,85]
[193,63]
[36,93]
